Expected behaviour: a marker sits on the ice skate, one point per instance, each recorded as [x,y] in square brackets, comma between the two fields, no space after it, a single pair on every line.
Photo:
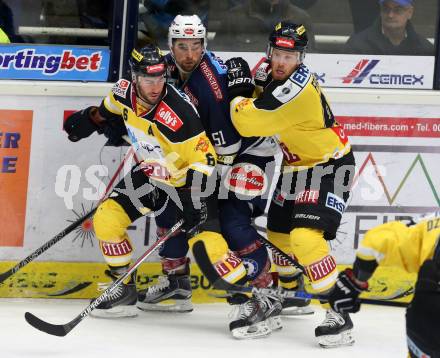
[172,293]
[121,302]
[335,330]
[249,319]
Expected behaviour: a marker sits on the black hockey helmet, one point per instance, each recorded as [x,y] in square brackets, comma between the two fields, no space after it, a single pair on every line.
[147,61]
[287,36]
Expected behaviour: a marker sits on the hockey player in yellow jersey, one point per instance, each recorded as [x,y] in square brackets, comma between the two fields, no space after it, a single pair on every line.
[413,247]
[176,159]
[318,165]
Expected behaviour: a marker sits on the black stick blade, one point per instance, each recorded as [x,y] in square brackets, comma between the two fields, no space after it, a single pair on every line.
[208,269]
[59,330]
[5,275]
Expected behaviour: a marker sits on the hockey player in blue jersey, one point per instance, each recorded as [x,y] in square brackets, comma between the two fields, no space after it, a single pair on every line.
[245,167]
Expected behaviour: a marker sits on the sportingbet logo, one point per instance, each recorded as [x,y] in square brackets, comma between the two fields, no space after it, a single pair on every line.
[27,59]
[363,70]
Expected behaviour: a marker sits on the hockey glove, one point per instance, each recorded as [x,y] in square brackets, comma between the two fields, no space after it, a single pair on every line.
[262,74]
[240,82]
[114,129]
[422,315]
[344,298]
[79,125]
[194,214]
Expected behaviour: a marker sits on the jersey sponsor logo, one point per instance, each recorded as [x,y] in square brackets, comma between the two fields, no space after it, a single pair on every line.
[293,86]
[283,42]
[116,249]
[321,269]
[190,95]
[246,179]
[51,64]
[212,80]
[307,197]
[120,88]
[227,264]
[155,170]
[202,145]
[364,67]
[165,115]
[300,76]
[242,104]
[334,202]
[281,261]
[160,67]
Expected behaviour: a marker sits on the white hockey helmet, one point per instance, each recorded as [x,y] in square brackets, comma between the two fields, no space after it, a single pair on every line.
[187,27]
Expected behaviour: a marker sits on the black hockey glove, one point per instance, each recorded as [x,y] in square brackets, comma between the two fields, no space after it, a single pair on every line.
[194,213]
[240,82]
[114,129]
[344,298]
[79,125]
[422,315]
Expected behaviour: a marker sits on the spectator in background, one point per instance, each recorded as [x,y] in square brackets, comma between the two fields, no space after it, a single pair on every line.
[363,13]
[391,34]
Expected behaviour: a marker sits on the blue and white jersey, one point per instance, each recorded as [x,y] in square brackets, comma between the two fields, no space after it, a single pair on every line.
[207,89]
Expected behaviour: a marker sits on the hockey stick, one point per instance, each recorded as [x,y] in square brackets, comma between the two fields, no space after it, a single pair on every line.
[208,269]
[62,329]
[378,300]
[62,234]
[278,252]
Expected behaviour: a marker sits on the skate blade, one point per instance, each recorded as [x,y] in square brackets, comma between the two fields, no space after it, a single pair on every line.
[180,306]
[336,340]
[115,312]
[259,330]
[274,323]
[298,311]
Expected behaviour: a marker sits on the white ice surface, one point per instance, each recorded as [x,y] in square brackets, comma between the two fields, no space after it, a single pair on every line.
[379,332]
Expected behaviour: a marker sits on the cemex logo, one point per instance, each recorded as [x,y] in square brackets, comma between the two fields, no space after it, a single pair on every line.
[364,67]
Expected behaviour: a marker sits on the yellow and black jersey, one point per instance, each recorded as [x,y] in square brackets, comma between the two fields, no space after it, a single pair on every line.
[399,245]
[298,114]
[169,138]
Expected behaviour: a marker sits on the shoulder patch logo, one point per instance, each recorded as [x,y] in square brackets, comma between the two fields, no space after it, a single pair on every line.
[120,88]
[202,145]
[165,115]
[336,203]
[300,76]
